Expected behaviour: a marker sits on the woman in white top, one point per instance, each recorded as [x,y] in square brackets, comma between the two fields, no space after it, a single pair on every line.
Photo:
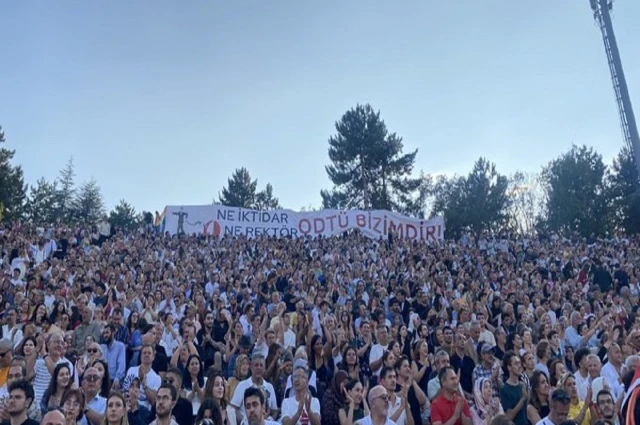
[193,381]
[486,407]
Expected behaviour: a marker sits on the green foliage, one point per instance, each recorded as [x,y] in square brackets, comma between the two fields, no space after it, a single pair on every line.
[265,199]
[66,193]
[624,191]
[88,206]
[576,192]
[124,216]
[476,202]
[241,191]
[368,169]
[13,191]
[41,203]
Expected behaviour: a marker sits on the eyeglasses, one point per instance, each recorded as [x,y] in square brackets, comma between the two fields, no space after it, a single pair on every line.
[4,354]
[92,378]
[93,350]
[384,397]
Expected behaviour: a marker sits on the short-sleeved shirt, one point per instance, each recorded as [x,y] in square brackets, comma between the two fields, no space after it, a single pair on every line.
[290,407]
[238,395]
[510,396]
[442,409]
[152,379]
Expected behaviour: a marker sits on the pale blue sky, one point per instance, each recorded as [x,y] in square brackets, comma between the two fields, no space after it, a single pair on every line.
[161,100]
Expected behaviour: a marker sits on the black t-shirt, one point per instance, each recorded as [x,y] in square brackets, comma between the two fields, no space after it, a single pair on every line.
[29,421]
[220,328]
[182,412]
[291,307]
[412,400]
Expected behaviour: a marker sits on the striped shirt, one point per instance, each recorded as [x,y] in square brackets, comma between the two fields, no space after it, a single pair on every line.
[42,376]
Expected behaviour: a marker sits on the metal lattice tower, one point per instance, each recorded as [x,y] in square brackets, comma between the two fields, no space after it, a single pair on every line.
[601,9]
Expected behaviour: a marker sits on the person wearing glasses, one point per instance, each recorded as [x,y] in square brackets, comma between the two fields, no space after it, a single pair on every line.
[301,408]
[450,405]
[95,403]
[165,401]
[559,412]
[379,408]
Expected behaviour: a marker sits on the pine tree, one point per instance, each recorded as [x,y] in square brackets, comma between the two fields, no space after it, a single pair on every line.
[240,191]
[265,199]
[41,203]
[88,206]
[368,169]
[13,191]
[124,216]
[66,193]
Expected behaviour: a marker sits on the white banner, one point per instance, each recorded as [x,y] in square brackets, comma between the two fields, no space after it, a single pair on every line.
[219,220]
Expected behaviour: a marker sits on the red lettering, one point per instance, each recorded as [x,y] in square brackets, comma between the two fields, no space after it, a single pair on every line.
[361,220]
[307,226]
[318,225]
[410,231]
[431,232]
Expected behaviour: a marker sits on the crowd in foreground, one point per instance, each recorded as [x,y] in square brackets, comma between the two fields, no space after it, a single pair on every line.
[147,328]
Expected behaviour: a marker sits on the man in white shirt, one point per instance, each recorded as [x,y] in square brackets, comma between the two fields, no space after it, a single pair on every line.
[255,380]
[149,380]
[301,408]
[378,349]
[379,408]
[254,404]
[289,336]
[611,371]
[11,330]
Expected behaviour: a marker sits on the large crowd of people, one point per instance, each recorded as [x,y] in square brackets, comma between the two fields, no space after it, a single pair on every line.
[147,328]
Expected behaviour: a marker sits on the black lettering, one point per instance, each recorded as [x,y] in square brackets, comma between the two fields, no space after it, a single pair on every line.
[222,214]
[249,232]
[284,218]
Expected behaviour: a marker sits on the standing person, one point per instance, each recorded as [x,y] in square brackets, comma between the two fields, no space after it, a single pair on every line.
[514,393]
[254,405]
[559,412]
[165,400]
[20,399]
[449,407]
[379,405]
[301,408]
[116,413]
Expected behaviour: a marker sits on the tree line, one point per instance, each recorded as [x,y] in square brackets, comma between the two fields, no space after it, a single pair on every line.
[575,193]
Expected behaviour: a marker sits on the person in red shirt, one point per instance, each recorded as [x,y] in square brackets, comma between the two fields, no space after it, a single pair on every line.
[449,407]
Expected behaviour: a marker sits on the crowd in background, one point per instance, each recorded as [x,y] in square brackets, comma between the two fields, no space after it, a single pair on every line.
[148,328]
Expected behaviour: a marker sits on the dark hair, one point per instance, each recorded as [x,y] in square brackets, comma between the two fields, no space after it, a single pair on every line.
[253,392]
[53,382]
[209,404]
[603,393]
[211,380]
[506,360]
[186,376]
[385,370]
[79,395]
[579,355]
[534,398]
[173,390]
[26,387]
[29,338]
[443,373]
[106,379]
[398,364]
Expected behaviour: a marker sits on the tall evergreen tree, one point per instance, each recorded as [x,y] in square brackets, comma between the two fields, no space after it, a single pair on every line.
[476,202]
[41,203]
[240,190]
[368,169]
[124,216]
[265,200]
[576,192]
[88,206]
[66,193]
[624,191]
[13,191]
